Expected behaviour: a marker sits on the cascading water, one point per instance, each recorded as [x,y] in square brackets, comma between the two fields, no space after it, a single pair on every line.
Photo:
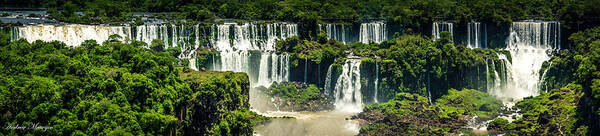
[147,33]
[494,81]
[193,64]
[335,31]
[544,75]
[328,80]
[185,37]
[476,37]
[240,48]
[373,32]
[529,44]
[72,35]
[12,31]
[348,97]
[273,68]
[235,44]
[376,81]
[438,27]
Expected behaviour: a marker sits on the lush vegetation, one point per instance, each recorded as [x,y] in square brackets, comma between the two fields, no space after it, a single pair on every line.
[571,105]
[116,88]
[412,114]
[220,104]
[408,63]
[295,96]
[410,12]
[555,113]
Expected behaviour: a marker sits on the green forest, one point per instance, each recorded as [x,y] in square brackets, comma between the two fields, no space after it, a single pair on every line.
[410,13]
[116,88]
[407,84]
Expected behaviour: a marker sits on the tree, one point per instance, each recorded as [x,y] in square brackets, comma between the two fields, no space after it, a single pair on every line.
[157,45]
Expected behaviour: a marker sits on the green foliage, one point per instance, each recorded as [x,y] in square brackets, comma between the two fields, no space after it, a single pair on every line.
[473,101]
[115,89]
[406,64]
[411,114]
[412,14]
[157,45]
[101,90]
[556,112]
[578,65]
[220,104]
[297,97]
[312,50]
[412,61]
[497,124]
[205,56]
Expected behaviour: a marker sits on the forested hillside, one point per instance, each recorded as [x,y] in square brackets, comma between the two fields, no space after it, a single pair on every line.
[116,88]
[411,13]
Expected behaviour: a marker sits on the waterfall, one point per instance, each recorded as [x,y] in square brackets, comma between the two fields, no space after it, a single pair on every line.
[335,31]
[72,35]
[193,64]
[373,32]
[234,43]
[529,44]
[12,31]
[328,80]
[544,75]
[348,97]
[476,38]
[429,89]
[376,81]
[147,33]
[237,43]
[493,81]
[438,27]
[487,76]
[214,64]
[273,68]
[172,35]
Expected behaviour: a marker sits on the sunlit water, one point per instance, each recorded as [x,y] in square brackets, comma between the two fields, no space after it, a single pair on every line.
[303,123]
[335,122]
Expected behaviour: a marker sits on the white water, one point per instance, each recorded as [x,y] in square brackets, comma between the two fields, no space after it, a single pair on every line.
[438,27]
[72,35]
[279,69]
[529,44]
[335,31]
[348,97]
[193,64]
[235,42]
[376,81]
[476,37]
[348,101]
[373,32]
[544,75]
[328,80]
[185,37]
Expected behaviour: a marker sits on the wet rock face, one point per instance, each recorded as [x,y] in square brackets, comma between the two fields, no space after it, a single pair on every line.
[297,96]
